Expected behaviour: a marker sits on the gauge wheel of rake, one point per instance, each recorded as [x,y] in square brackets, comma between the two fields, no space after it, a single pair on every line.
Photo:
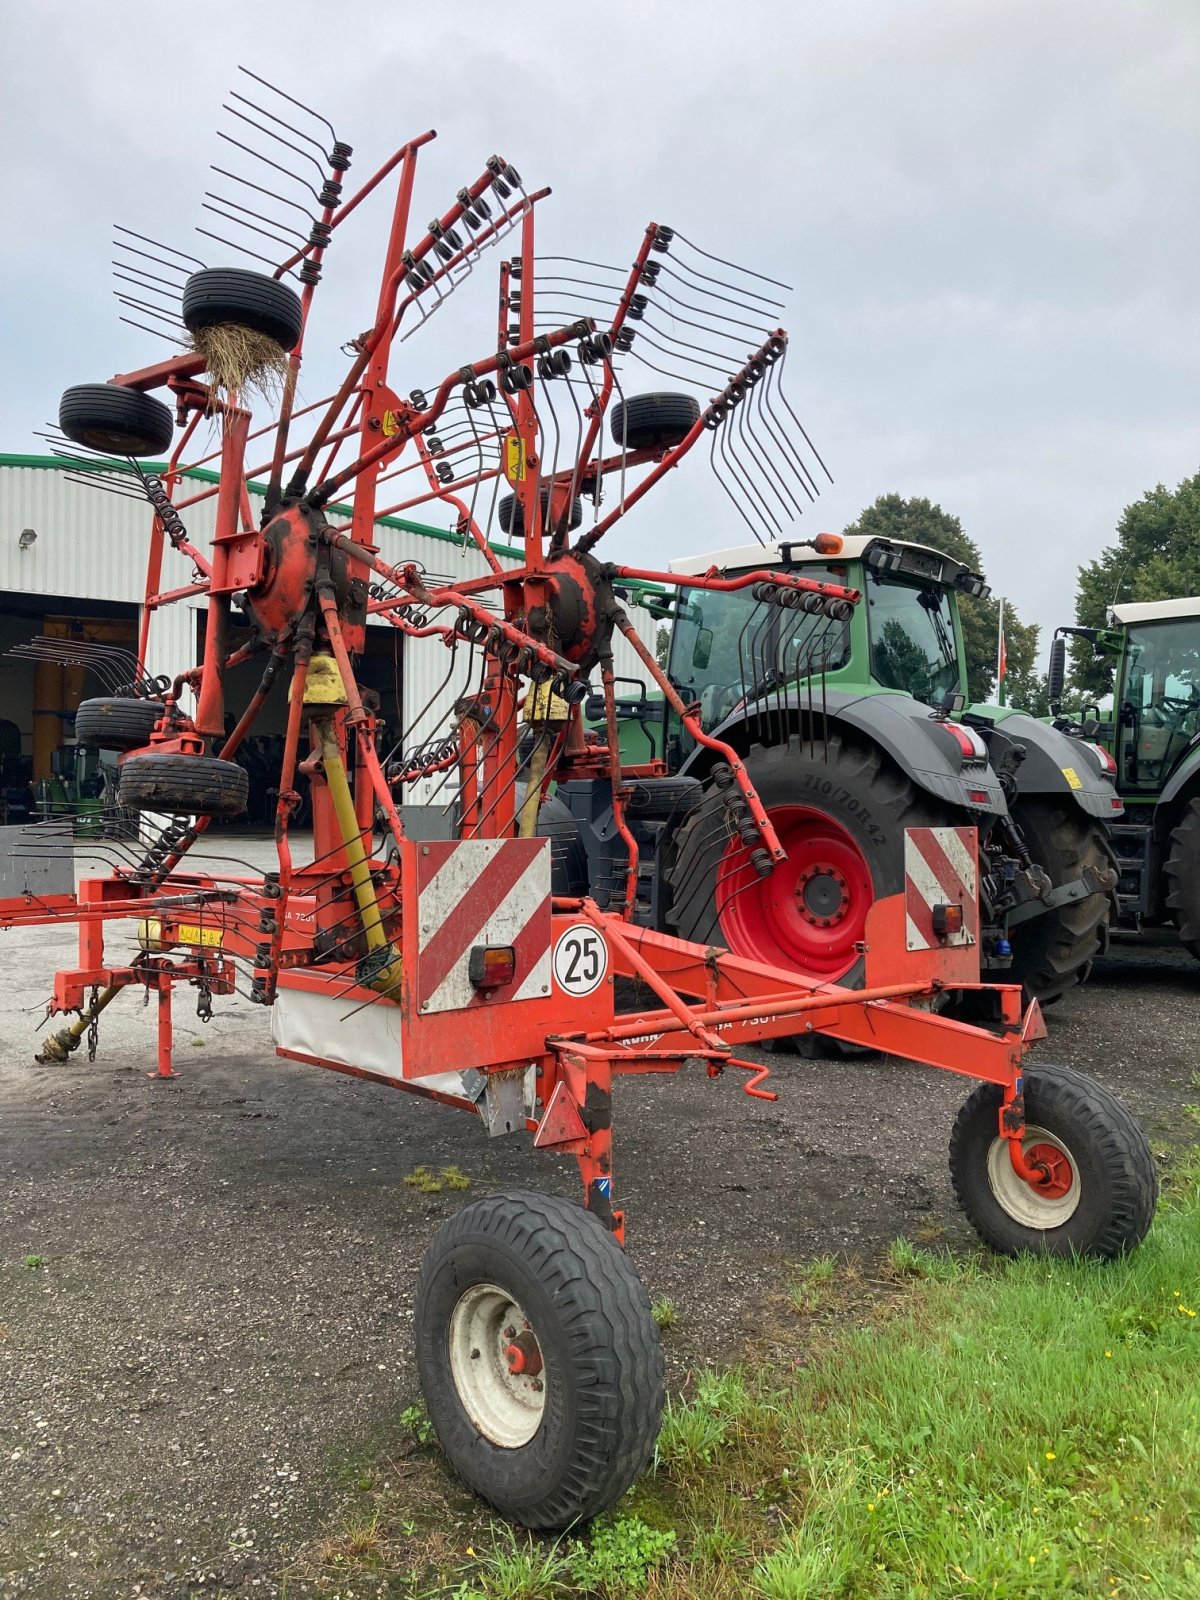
[511,514]
[1099,1184]
[115,420]
[200,786]
[218,295]
[842,822]
[116,722]
[653,421]
[539,1360]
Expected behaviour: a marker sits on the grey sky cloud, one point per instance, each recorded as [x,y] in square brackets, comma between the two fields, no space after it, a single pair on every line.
[988,212]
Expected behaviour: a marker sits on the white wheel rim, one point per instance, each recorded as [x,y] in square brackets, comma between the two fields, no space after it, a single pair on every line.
[1022,1202]
[504,1395]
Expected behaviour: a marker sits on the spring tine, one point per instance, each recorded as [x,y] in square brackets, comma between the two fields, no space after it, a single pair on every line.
[266,160]
[93,482]
[271,117]
[146,281]
[683,272]
[804,435]
[791,455]
[729,457]
[240,222]
[240,248]
[756,328]
[158,245]
[756,398]
[278,137]
[299,104]
[258,216]
[157,332]
[719,476]
[762,462]
[258,189]
[148,309]
[734,265]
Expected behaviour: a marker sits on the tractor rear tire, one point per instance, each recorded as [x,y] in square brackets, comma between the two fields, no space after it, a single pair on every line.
[1053,952]
[845,818]
[1182,873]
[663,799]
[559,1438]
[116,722]
[1104,1202]
[511,514]
[253,300]
[115,421]
[197,786]
[653,421]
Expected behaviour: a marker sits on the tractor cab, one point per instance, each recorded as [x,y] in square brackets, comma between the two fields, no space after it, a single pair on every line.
[1157,695]
[906,636]
[1152,736]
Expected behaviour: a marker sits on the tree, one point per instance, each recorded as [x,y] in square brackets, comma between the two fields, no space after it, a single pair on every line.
[662,644]
[919,521]
[1156,557]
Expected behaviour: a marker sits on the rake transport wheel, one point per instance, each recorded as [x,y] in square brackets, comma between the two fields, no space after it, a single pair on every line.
[653,421]
[511,514]
[253,300]
[1182,873]
[842,823]
[1052,952]
[116,722]
[200,786]
[1102,1185]
[539,1360]
[115,420]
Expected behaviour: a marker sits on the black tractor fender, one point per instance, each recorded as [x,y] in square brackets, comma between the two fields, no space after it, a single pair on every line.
[1184,782]
[1054,763]
[903,728]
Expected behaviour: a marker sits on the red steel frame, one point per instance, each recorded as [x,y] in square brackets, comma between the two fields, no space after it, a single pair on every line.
[707,1002]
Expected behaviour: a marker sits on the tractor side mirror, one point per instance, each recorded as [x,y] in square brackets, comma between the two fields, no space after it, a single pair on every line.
[702,649]
[1057,675]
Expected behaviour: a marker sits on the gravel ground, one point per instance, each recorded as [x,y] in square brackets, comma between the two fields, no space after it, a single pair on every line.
[220,1321]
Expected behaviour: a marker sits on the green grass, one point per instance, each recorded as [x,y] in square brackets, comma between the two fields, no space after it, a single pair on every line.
[664,1313]
[1010,1430]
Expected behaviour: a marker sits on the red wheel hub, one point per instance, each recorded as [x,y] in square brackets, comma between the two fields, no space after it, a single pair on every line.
[811,913]
[1054,1162]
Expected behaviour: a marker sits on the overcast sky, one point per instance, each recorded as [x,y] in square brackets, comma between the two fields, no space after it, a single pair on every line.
[988,209]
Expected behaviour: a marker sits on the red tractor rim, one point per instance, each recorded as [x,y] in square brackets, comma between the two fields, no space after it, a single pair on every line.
[811,913]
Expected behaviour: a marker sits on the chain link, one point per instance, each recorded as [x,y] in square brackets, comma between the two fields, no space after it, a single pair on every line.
[93,1032]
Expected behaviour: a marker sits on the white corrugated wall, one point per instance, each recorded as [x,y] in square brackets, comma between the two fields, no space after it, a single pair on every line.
[93,545]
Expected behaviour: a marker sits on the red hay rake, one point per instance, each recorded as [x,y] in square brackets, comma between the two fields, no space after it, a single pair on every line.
[451,968]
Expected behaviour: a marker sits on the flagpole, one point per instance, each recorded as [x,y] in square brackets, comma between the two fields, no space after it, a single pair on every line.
[1000,657]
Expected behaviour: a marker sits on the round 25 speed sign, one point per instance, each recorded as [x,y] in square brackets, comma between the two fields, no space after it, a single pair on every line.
[580,959]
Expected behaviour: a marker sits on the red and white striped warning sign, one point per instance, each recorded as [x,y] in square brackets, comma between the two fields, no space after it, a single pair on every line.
[940,869]
[482,892]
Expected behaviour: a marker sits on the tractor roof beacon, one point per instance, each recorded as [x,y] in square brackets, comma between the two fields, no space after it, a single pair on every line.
[460,967]
[1151,741]
[904,749]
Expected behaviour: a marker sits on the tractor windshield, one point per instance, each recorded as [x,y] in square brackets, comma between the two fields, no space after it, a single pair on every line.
[1160,711]
[727,645]
[912,639]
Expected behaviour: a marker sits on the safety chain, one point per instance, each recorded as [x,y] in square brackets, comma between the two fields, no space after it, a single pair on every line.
[204,999]
[93,1032]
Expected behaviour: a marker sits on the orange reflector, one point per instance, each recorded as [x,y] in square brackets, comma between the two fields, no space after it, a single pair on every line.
[979,796]
[492,966]
[947,920]
[828,544]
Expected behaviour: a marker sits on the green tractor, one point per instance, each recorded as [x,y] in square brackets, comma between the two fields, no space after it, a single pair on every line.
[1152,740]
[853,733]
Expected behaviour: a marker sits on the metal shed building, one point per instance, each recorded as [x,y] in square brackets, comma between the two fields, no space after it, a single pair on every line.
[73,564]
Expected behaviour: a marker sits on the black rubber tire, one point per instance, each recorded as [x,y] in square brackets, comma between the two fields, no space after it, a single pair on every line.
[663,799]
[249,299]
[195,786]
[115,420]
[603,1360]
[1182,874]
[1054,951]
[857,786]
[515,528]
[653,421]
[116,722]
[1118,1180]
[568,857]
